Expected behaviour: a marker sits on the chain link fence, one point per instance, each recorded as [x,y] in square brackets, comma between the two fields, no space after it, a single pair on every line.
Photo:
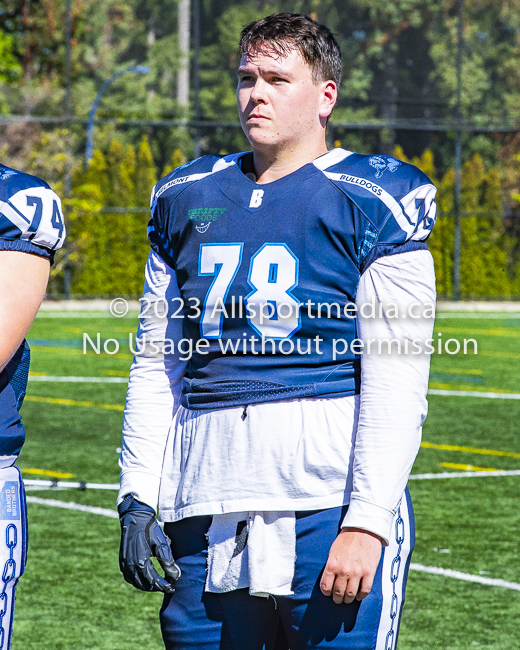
[436,84]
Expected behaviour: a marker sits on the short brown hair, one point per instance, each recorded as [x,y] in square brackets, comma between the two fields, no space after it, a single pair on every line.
[284,32]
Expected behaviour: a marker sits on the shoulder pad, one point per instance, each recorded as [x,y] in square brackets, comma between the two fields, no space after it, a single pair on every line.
[392,175]
[29,211]
[190,172]
[383,187]
[11,181]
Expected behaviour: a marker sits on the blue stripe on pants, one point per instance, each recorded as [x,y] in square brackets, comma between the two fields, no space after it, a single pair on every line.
[192,618]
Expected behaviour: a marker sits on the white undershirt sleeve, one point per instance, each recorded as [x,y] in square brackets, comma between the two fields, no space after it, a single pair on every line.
[393,402]
[153,387]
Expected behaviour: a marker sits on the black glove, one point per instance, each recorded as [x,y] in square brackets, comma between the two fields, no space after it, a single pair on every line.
[142,538]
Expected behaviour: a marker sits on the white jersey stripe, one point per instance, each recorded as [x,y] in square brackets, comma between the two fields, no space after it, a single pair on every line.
[180,181]
[32,211]
[383,195]
[223,163]
[405,223]
[217,167]
[15,217]
[10,205]
[333,157]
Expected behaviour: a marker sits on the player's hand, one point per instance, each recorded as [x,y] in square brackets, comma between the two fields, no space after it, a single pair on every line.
[351,566]
[142,538]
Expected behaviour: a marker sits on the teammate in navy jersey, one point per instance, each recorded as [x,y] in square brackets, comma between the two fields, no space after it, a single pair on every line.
[281,477]
[31,230]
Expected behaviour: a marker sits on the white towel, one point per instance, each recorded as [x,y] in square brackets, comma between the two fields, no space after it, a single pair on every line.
[227,567]
[252,549]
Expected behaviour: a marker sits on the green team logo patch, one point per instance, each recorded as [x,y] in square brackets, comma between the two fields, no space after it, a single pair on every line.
[205,217]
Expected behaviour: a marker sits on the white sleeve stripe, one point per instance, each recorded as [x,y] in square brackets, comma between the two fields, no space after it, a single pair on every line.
[15,217]
[377,191]
[180,181]
[10,205]
[217,167]
[21,210]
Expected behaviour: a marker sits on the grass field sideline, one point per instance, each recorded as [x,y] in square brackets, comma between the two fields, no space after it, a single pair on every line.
[72,596]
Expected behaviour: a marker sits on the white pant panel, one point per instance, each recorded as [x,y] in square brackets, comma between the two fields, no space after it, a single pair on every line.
[395,565]
[13,546]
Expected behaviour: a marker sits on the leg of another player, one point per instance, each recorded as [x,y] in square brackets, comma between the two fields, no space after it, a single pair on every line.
[13,546]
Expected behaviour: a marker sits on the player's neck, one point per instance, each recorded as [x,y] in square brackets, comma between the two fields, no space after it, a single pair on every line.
[270,165]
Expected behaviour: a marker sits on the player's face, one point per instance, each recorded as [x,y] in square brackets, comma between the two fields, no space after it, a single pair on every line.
[278,102]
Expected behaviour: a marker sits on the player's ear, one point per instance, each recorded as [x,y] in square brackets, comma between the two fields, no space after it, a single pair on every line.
[329,95]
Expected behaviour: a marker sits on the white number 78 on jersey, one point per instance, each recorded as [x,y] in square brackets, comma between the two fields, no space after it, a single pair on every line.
[271,309]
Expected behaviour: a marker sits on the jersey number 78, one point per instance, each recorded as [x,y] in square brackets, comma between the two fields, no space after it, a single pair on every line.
[271,309]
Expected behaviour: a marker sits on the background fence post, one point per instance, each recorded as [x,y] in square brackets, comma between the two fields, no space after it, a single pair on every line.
[183,75]
[458,159]
[196,77]
[68,153]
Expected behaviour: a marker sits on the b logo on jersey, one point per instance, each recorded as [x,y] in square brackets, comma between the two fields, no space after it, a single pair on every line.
[205,217]
[256,198]
[383,163]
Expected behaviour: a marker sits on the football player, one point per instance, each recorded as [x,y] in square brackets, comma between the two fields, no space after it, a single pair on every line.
[31,230]
[273,443]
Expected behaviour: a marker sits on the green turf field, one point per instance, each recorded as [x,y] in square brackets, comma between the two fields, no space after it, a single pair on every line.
[72,596]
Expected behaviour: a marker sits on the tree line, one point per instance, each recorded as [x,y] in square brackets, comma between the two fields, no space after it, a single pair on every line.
[108,245]
[399,66]
[399,63]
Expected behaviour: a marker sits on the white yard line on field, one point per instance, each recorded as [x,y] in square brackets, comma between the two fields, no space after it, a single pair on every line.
[70,505]
[124,380]
[96,380]
[498,472]
[449,573]
[468,577]
[70,484]
[479,315]
[55,484]
[470,393]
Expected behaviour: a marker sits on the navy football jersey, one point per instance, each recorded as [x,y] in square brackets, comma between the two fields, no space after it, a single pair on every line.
[267,272]
[31,221]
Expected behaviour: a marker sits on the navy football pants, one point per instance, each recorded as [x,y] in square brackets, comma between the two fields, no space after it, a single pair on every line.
[192,618]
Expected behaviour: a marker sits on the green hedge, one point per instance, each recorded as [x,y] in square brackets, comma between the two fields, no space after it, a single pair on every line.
[107,250]
[487,265]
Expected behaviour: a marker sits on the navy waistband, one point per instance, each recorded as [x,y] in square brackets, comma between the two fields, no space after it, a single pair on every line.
[225,394]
